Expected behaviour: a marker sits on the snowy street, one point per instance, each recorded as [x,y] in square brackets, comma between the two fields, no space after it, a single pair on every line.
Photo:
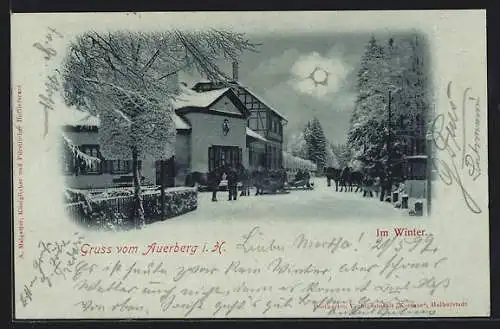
[322,202]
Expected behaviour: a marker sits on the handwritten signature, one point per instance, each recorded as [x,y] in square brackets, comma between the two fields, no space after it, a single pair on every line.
[52,85]
[448,137]
[46,45]
[56,259]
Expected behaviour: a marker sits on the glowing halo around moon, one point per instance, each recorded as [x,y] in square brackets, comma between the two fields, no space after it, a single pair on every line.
[320,76]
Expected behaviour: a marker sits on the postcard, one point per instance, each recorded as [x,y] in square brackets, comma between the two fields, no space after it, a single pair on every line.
[250,165]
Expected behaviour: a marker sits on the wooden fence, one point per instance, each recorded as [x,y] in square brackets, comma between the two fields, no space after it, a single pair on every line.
[111,213]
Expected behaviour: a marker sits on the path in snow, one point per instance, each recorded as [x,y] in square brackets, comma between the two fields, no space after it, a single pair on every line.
[322,202]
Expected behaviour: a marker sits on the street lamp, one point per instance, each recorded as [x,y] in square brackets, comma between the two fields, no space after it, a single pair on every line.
[388,145]
[428,139]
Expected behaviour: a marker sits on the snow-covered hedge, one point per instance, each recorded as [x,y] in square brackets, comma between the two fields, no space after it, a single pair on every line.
[104,212]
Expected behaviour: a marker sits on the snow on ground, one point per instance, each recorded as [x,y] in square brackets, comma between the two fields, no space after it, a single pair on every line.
[321,203]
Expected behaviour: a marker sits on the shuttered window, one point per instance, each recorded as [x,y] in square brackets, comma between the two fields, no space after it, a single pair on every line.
[91,167]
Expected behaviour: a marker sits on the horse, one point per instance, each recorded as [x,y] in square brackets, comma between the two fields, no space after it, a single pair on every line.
[345,180]
[368,185]
[349,178]
[196,178]
[332,173]
[356,178]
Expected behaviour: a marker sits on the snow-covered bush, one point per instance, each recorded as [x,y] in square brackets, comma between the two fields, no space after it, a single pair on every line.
[115,213]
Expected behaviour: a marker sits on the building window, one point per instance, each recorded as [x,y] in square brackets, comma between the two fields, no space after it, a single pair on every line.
[222,156]
[91,167]
[120,166]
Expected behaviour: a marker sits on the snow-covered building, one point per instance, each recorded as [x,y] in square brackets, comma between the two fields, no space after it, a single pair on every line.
[266,150]
[212,130]
[215,125]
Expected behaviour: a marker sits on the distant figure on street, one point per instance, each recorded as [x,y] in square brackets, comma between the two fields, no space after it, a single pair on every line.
[244,175]
[283,178]
[214,179]
[232,183]
[386,187]
[307,178]
[299,175]
[258,176]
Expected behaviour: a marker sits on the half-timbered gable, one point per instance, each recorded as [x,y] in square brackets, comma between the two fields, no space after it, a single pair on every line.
[264,120]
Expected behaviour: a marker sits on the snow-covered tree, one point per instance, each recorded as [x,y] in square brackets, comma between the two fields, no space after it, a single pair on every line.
[343,154]
[332,160]
[370,101]
[315,143]
[390,75]
[319,144]
[297,145]
[125,79]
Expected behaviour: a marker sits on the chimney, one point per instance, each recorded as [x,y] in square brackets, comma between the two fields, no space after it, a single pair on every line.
[235,71]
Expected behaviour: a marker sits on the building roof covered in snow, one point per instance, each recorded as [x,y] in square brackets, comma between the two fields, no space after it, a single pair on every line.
[73,117]
[180,123]
[191,98]
[255,135]
[201,85]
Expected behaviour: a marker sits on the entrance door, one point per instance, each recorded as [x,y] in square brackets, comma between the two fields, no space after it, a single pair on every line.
[168,172]
[219,156]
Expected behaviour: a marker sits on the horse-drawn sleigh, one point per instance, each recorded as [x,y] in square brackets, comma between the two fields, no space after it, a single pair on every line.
[302,180]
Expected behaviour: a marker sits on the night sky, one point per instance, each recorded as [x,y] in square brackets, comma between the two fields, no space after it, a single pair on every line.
[282,74]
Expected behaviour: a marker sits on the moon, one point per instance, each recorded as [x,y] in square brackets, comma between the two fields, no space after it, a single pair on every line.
[319,75]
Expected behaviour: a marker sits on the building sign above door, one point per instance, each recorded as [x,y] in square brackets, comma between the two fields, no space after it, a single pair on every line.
[225,127]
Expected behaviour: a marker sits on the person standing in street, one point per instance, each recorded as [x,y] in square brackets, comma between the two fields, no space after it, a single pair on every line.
[386,187]
[214,179]
[232,183]
[244,176]
[259,178]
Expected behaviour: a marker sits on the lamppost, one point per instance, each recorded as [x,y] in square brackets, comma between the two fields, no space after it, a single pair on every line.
[162,186]
[388,145]
[429,151]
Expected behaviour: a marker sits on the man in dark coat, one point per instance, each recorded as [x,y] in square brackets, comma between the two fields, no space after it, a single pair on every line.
[244,176]
[259,180]
[385,186]
[232,183]
[214,178]
[307,178]
[283,177]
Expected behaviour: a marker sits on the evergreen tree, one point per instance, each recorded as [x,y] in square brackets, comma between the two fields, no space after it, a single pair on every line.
[307,132]
[332,160]
[297,145]
[398,67]
[316,143]
[366,132]
[343,154]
